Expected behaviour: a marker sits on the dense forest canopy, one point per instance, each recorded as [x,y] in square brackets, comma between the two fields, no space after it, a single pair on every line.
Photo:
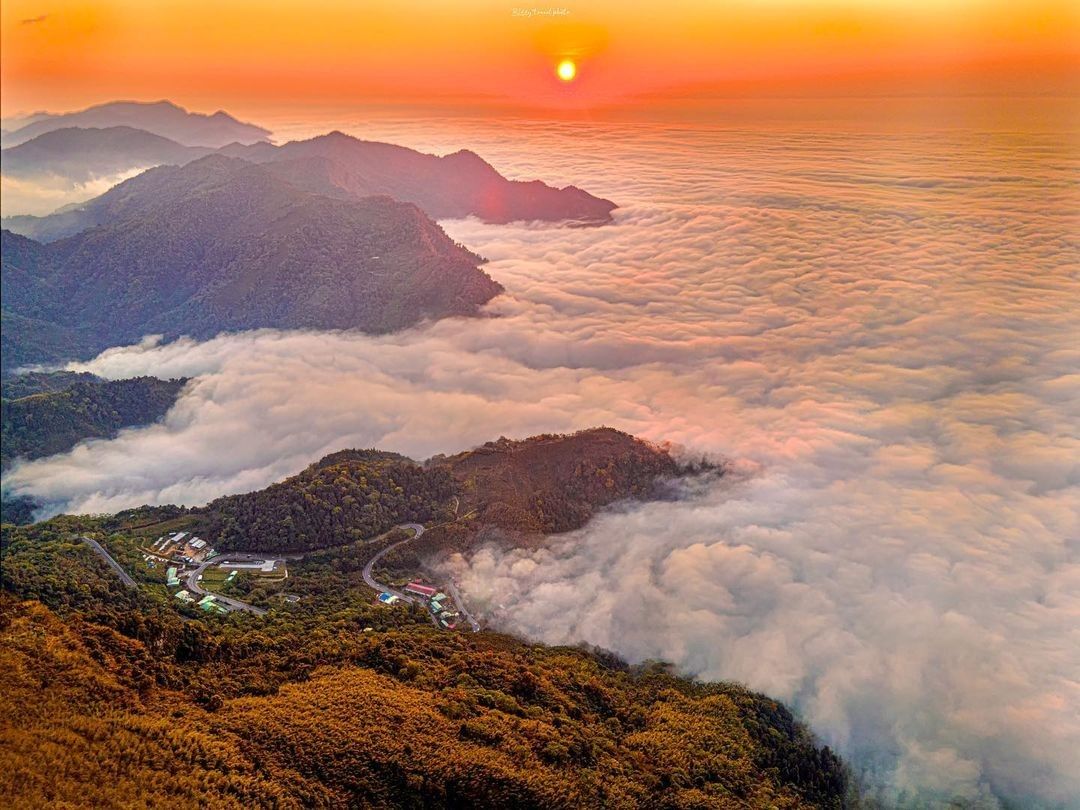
[346,496]
[45,414]
[543,484]
[16,386]
[554,483]
[115,696]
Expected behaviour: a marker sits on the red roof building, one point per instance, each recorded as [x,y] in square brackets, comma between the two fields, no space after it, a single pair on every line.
[420,589]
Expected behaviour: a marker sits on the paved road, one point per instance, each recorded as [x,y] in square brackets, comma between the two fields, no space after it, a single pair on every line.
[451,587]
[456,596]
[372,582]
[235,604]
[113,564]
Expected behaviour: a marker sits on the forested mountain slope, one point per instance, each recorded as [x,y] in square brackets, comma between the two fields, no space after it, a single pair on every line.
[16,386]
[346,496]
[554,483]
[112,697]
[221,244]
[545,484]
[54,421]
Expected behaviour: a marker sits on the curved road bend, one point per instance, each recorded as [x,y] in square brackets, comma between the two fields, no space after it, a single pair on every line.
[113,564]
[372,582]
[235,604]
[378,586]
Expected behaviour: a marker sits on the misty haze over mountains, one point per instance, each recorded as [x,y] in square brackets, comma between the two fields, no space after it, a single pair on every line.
[224,245]
[140,136]
[307,237]
[162,118]
[78,155]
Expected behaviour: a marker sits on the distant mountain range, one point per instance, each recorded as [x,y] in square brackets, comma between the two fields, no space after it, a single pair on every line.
[337,165]
[331,232]
[456,185]
[158,118]
[81,155]
[222,244]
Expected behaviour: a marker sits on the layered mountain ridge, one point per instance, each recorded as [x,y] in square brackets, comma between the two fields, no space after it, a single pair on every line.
[54,421]
[84,154]
[456,185]
[156,117]
[221,244]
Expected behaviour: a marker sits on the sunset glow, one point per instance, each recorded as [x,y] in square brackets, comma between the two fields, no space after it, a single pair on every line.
[250,56]
[566,70]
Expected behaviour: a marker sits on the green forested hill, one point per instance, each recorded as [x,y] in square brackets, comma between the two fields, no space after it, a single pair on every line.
[17,386]
[69,410]
[346,496]
[548,483]
[112,698]
[555,482]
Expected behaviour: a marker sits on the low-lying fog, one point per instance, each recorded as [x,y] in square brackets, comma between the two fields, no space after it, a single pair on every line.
[880,329]
[43,195]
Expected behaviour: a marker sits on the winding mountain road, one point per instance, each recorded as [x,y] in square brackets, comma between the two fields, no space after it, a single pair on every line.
[372,582]
[113,564]
[451,586]
[192,578]
[194,586]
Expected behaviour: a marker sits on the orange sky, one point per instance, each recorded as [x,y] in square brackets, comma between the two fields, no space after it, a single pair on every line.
[249,56]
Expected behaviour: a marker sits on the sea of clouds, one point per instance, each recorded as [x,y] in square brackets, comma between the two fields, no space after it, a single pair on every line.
[878,329]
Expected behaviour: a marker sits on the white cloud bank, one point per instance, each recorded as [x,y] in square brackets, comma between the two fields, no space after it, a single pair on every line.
[882,327]
[43,196]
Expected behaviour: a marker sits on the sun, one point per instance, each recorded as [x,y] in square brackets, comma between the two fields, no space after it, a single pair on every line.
[566,70]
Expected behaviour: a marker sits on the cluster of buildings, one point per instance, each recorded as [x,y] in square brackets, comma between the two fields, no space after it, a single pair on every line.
[207,603]
[183,547]
[185,550]
[437,602]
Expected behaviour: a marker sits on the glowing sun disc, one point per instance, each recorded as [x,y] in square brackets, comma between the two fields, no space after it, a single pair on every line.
[566,70]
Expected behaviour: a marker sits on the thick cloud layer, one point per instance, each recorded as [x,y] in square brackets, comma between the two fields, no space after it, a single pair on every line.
[880,329]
